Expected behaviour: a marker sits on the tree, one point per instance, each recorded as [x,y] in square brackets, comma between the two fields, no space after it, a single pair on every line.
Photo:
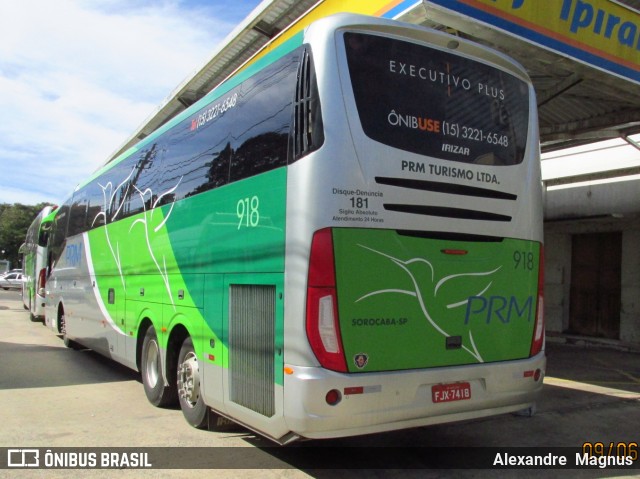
[15,220]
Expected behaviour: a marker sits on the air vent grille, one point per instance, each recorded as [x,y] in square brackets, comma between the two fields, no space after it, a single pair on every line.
[252,347]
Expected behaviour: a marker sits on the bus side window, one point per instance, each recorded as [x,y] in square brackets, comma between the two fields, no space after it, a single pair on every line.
[142,186]
[307,131]
[59,232]
[78,214]
[263,119]
[95,206]
[116,189]
[195,160]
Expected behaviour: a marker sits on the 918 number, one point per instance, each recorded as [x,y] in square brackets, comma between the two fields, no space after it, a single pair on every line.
[523,260]
[248,212]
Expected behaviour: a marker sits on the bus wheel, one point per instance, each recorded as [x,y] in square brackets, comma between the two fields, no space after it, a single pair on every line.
[63,330]
[191,402]
[151,368]
[32,316]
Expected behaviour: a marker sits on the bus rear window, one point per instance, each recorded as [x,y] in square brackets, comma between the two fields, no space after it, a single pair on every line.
[436,103]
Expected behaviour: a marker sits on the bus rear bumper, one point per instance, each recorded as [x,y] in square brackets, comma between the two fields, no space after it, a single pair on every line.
[378,402]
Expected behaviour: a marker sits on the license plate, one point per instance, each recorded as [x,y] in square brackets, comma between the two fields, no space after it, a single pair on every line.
[450,392]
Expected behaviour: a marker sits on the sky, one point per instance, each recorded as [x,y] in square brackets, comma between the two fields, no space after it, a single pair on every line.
[77,77]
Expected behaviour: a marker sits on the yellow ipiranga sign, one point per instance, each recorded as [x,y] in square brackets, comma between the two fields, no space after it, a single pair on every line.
[602,33]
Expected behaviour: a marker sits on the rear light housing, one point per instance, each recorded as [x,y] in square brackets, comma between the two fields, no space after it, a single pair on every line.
[323,326]
[537,341]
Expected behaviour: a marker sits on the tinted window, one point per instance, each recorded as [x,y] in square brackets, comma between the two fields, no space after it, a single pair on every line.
[435,103]
[78,213]
[196,152]
[108,195]
[240,134]
[59,231]
[307,132]
[96,201]
[140,189]
[263,119]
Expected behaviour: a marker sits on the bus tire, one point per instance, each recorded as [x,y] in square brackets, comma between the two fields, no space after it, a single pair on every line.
[32,316]
[188,373]
[151,371]
[63,329]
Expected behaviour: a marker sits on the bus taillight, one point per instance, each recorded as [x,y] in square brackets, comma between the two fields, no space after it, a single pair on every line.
[42,277]
[323,329]
[538,331]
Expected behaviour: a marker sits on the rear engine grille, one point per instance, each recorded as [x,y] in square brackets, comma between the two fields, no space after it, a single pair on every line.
[252,347]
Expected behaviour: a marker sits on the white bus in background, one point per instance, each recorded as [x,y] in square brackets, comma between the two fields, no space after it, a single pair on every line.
[34,261]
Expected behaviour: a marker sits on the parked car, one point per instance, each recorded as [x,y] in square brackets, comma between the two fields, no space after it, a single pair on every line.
[11,281]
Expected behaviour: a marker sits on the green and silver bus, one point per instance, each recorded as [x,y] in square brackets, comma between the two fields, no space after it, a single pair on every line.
[34,263]
[344,237]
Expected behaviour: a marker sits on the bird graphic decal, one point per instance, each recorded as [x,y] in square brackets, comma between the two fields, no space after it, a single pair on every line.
[421,271]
